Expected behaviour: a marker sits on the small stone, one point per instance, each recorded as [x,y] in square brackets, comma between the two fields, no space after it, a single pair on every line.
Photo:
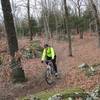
[32,97]
[56,97]
[70,98]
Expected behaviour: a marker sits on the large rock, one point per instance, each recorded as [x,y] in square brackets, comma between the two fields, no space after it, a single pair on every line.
[36,48]
[95,94]
[89,70]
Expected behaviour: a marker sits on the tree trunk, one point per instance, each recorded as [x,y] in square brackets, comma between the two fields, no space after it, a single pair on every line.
[67,27]
[0,36]
[45,20]
[14,15]
[77,29]
[29,20]
[97,21]
[79,15]
[56,23]
[45,28]
[77,26]
[9,25]
[10,30]
[65,30]
[81,35]
[79,8]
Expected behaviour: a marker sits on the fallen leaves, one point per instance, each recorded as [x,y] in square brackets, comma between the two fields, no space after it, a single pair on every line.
[84,51]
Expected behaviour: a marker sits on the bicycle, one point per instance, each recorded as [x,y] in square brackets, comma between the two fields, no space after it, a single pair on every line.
[50,73]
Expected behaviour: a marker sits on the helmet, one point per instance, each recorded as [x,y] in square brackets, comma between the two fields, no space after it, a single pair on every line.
[46,45]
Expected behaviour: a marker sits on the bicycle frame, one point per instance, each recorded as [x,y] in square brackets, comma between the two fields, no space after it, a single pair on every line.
[50,73]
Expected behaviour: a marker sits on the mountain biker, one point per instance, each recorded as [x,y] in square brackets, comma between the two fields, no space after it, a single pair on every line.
[49,54]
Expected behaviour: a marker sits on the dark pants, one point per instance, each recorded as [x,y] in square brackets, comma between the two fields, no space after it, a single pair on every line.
[54,62]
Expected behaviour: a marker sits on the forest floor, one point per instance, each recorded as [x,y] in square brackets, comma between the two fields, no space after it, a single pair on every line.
[84,51]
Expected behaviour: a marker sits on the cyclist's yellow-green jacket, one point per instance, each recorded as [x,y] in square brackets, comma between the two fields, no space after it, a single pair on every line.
[48,52]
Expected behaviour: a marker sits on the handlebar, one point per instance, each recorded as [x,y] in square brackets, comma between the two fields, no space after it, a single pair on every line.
[48,60]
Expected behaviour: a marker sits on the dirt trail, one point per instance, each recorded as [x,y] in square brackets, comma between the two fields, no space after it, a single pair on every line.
[84,51]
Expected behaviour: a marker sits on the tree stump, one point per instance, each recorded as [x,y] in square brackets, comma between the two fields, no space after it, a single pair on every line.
[17,71]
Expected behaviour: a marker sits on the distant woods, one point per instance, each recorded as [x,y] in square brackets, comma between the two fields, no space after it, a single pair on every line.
[58,19]
[48,17]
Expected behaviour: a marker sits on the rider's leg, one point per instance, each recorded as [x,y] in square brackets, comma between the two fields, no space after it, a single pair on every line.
[46,62]
[54,63]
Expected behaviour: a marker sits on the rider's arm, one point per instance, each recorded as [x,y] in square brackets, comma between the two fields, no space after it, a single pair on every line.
[43,55]
[53,53]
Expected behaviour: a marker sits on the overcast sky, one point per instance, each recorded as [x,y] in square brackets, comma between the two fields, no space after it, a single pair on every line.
[21,10]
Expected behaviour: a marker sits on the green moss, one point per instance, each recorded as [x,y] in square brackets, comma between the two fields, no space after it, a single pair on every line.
[70,92]
[44,95]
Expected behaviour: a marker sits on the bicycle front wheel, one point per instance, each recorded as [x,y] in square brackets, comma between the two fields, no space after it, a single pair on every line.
[49,77]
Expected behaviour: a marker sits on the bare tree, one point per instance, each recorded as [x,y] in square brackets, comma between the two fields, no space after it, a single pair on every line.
[9,25]
[67,27]
[96,19]
[78,4]
[29,20]
[45,19]
[11,36]
[54,8]
[14,14]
